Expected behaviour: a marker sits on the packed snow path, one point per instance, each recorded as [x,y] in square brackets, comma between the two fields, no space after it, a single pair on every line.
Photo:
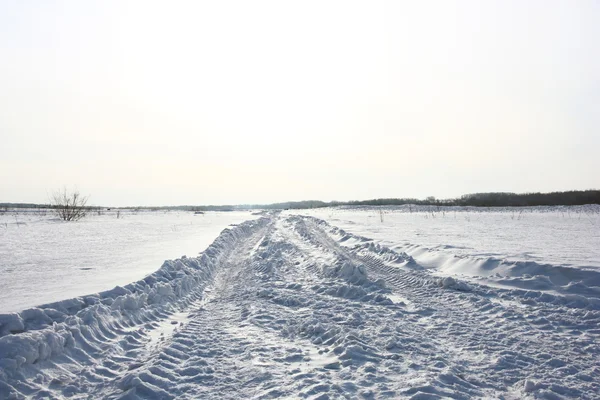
[289,306]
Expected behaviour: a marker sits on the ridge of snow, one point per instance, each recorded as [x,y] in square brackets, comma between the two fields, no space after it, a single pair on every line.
[37,334]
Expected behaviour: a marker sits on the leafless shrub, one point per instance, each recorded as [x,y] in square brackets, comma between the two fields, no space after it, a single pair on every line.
[69,206]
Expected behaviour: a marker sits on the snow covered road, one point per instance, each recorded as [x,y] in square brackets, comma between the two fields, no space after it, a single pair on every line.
[290,306]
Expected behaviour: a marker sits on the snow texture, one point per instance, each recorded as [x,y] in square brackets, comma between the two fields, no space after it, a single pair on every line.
[44,260]
[289,306]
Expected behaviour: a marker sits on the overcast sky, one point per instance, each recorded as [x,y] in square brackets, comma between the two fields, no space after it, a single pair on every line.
[220,102]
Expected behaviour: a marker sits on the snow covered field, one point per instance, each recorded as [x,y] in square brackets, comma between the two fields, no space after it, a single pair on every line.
[44,260]
[551,248]
[567,236]
[293,306]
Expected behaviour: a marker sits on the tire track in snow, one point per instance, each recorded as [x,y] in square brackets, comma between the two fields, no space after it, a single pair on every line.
[517,349]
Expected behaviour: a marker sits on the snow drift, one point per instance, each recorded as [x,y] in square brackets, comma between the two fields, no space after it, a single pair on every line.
[75,327]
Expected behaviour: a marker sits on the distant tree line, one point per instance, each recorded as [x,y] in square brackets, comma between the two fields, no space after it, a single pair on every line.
[569,198]
[497,199]
[395,202]
[23,205]
[493,199]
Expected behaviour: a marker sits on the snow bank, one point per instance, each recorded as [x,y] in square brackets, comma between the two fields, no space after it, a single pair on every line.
[451,283]
[40,333]
[527,275]
[566,236]
[565,285]
[45,260]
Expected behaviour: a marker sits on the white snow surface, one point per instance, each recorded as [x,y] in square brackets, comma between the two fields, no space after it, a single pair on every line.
[43,259]
[541,248]
[566,236]
[291,306]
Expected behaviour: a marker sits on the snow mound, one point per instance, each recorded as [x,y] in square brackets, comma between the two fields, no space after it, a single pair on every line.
[346,270]
[72,325]
[451,283]
[525,275]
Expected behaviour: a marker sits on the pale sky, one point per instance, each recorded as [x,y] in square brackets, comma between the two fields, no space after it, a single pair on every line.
[229,102]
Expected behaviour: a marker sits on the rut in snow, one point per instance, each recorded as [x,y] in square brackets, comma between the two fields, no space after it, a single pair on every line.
[289,306]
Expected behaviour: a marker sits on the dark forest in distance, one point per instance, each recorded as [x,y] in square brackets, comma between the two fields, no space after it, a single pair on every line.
[493,199]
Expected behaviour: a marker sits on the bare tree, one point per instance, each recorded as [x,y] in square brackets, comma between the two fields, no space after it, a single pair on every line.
[69,205]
